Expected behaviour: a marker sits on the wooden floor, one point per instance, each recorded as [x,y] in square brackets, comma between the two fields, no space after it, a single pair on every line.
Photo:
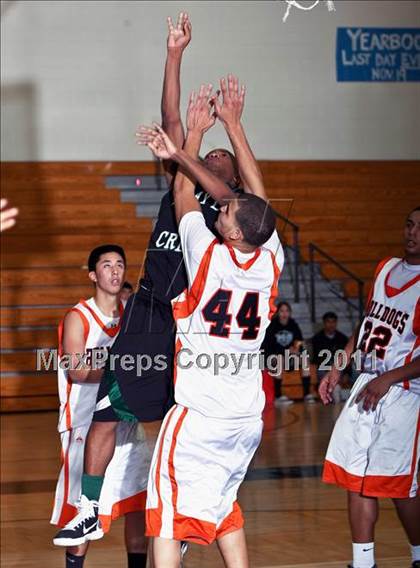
[292,519]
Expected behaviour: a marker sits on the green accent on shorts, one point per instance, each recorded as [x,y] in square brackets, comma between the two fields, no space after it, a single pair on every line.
[117,402]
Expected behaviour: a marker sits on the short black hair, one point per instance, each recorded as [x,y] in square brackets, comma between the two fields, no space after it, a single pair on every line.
[281,304]
[255,218]
[127,286]
[329,316]
[97,252]
[413,210]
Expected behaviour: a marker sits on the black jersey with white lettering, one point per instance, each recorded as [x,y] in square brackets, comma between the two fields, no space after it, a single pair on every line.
[164,270]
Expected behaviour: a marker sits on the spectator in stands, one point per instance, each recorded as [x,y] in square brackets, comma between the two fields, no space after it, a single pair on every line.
[126,291]
[283,337]
[7,215]
[325,344]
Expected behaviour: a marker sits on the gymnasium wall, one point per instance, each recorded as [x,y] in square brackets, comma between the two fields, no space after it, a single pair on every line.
[77,77]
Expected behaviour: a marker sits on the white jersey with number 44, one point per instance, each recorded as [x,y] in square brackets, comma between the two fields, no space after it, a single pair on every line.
[221,321]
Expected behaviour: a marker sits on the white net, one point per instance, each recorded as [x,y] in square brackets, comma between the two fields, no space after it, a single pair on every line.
[296,4]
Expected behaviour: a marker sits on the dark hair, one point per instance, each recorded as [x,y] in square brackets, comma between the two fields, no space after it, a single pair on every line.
[127,286]
[413,210]
[281,304]
[329,316]
[255,218]
[103,249]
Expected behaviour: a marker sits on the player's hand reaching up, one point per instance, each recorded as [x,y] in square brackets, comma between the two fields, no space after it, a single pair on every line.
[179,36]
[200,113]
[229,111]
[328,384]
[7,215]
[157,140]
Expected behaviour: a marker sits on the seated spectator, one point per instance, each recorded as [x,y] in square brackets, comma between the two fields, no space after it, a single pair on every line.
[283,336]
[325,344]
[126,291]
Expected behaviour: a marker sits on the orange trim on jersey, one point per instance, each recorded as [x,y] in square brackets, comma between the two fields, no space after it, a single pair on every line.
[407,360]
[389,486]
[378,269]
[67,511]
[111,331]
[274,287]
[183,309]
[178,347]
[129,505]
[337,475]
[390,291]
[244,265]
[154,516]
[233,522]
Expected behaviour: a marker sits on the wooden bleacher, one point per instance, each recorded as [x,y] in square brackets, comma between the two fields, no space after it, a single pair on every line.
[353,210]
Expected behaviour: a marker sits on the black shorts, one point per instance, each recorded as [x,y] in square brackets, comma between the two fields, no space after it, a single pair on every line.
[139,375]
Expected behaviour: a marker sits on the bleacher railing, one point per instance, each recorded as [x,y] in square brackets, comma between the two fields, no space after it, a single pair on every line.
[359,305]
[296,254]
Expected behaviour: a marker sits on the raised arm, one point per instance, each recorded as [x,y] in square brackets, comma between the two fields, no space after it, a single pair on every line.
[229,112]
[179,37]
[162,146]
[200,117]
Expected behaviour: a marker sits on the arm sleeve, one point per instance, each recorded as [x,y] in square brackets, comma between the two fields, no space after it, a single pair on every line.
[195,240]
[274,245]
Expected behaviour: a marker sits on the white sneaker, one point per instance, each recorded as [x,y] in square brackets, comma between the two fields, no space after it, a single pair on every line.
[283,401]
[309,399]
[84,526]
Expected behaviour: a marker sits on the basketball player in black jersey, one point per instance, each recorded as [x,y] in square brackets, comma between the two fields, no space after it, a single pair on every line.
[147,329]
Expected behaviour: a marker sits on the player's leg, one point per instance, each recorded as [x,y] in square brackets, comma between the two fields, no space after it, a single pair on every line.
[166,552]
[98,451]
[135,540]
[75,555]
[233,549]
[100,447]
[408,511]
[363,514]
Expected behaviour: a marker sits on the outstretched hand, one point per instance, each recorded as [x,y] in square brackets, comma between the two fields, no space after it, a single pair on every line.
[7,215]
[230,110]
[179,36]
[327,386]
[157,140]
[200,112]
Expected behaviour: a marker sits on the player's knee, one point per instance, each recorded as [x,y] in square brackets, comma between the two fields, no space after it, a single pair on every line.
[102,428]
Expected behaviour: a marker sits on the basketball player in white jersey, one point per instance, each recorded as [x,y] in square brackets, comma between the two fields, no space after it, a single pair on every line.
[89,329]
[209,437]
[374,448]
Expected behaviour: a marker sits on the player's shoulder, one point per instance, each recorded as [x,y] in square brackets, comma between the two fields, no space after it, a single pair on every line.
[388,262]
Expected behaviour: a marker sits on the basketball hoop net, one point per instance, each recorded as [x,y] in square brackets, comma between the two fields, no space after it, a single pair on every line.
[295,3]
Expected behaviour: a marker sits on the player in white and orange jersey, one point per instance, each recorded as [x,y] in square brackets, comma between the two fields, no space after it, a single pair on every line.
[209,437]
[374,448]
[85,335]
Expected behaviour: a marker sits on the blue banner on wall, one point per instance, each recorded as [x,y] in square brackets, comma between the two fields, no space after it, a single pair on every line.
[378,54]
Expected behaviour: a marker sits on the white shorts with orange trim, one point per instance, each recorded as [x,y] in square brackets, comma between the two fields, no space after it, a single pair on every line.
[376,453]
[125,483]
[197,468]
